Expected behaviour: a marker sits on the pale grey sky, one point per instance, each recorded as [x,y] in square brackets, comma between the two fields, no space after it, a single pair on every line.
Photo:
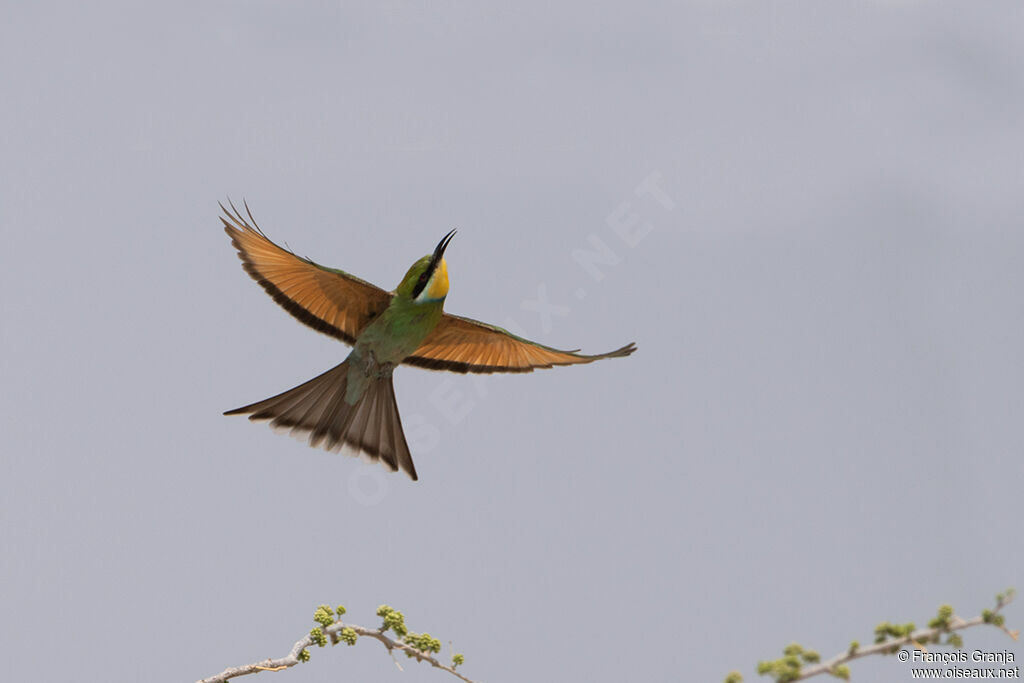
[821,428]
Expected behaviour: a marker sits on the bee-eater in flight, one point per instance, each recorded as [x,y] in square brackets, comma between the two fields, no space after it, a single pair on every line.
[352,405]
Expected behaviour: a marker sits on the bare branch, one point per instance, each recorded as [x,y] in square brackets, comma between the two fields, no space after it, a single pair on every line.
[332,632]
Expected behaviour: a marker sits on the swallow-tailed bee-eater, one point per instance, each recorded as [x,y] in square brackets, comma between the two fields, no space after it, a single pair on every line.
[352,406]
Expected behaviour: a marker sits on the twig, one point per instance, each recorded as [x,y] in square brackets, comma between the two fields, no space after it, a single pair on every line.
[924,635]
[292,658]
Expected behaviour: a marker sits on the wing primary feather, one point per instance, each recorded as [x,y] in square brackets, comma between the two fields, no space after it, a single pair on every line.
[328,300]
[464,345]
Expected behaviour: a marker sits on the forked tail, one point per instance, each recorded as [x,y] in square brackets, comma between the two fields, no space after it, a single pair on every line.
[370,427]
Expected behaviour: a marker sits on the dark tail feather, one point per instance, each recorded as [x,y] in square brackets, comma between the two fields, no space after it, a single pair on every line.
[317,408]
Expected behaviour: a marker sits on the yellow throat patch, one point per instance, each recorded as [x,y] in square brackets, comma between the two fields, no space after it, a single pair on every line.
[437,288]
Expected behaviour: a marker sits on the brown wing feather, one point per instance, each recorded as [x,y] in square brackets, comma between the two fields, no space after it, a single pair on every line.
[330,301]
[463,345]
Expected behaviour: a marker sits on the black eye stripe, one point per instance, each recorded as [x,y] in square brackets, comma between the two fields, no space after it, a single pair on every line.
[435,260]
[422,282]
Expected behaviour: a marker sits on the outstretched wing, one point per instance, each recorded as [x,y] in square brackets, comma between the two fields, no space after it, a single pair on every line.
[464,345]
[328,300]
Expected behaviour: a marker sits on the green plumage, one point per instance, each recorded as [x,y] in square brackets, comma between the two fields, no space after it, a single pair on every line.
[352,406]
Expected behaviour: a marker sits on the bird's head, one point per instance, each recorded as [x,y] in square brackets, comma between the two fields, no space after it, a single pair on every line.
[427,279]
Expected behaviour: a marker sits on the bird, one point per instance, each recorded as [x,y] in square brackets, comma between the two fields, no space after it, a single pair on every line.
[352,407]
